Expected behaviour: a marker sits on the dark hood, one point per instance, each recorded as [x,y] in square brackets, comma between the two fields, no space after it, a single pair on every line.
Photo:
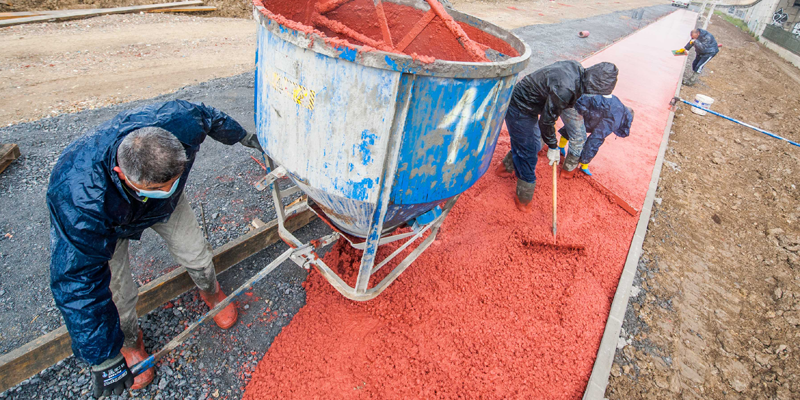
[600,78]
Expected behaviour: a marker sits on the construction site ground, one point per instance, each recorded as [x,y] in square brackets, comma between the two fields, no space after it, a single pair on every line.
[715,308]
[714,168]
[214,362]
[50,69]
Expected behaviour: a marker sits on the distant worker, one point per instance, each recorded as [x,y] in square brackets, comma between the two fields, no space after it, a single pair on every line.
[705,47]
[538,100]
[107,187]
[602,115]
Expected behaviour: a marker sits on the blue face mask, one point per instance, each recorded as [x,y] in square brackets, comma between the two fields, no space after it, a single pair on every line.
[157,194]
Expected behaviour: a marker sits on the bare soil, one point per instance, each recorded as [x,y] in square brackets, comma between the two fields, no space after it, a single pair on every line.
[53,68]
[715,309]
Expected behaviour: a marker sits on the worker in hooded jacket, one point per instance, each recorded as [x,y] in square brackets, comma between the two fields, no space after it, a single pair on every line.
[538,100]
[602,116]
[108,186]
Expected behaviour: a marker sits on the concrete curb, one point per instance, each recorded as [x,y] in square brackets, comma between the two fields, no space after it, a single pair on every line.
[598,381]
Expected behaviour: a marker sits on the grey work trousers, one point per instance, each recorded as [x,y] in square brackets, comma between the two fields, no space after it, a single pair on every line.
[188,247]
[575,131]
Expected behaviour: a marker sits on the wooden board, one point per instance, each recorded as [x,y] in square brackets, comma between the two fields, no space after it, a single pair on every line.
[8,153]
[77,14]
[34,356]
[184,9]
[10,15]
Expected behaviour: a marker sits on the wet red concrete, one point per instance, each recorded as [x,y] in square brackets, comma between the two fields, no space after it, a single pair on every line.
[485,312]
[356,22]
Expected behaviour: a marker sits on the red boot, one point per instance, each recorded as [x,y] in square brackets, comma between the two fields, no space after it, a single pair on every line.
[225,318]
[502,171]
[568,174]
[526,208]
[135,355]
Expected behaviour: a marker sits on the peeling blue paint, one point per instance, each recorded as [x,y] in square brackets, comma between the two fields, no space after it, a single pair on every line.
[428,139]
[347,53]
[365,148]
[392,63]
[360,189]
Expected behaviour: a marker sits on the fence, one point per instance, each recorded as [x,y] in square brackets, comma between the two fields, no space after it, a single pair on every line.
[782,38]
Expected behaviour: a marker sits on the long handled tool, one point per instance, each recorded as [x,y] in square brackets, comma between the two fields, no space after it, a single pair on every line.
[554,244]
[675,101]
[302,251]
[555,199]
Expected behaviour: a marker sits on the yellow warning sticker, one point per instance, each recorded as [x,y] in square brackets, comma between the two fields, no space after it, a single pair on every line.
[301,95]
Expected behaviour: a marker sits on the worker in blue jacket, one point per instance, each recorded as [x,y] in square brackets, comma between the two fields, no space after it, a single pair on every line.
[602,116]
[538,100]
[705,47]
[108,186]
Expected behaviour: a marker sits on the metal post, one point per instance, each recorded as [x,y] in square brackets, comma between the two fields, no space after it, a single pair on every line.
[280,211]
[702,9]
[710,13]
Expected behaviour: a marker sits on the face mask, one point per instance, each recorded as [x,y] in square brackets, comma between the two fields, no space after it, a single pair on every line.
[157,194]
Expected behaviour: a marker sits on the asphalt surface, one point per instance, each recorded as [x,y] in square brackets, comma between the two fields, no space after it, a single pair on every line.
[557,42]
[213,364]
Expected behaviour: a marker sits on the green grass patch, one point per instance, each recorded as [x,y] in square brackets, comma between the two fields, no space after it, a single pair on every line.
[735,21]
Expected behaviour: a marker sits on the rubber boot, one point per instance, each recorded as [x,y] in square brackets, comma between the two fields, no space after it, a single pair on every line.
[562,146]
[692,79]
[506,167]
[135,355]
[524,197]
[225,318]
[585,169]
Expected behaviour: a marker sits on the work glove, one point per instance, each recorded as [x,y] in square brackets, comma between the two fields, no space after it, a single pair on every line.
[553,155]
[111,377]
[251,140]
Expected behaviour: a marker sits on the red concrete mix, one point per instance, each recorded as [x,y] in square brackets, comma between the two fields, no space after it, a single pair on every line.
[487,311]
[356,22]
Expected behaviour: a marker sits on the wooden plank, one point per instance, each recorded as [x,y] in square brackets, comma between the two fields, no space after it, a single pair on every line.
[62,15]
[10,15]
[177,282]
[8,153]
[184,9]
[38,354]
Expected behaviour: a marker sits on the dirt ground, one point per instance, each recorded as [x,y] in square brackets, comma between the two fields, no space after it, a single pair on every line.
[53,68]
[50,69]
[715,308]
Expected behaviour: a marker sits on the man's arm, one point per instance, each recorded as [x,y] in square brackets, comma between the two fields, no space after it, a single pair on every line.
[220,126]
[624,129]
[225,129]
[81,245]
[553,108]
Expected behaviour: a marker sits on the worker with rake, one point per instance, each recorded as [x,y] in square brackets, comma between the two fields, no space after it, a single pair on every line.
[108,186]
[602,116]
[538,100]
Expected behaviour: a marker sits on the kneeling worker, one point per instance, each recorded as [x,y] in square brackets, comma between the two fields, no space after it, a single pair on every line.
[536,103]
[602,115]
[108,186]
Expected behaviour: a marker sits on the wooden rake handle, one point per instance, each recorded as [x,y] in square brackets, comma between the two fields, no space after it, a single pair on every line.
[555,198]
